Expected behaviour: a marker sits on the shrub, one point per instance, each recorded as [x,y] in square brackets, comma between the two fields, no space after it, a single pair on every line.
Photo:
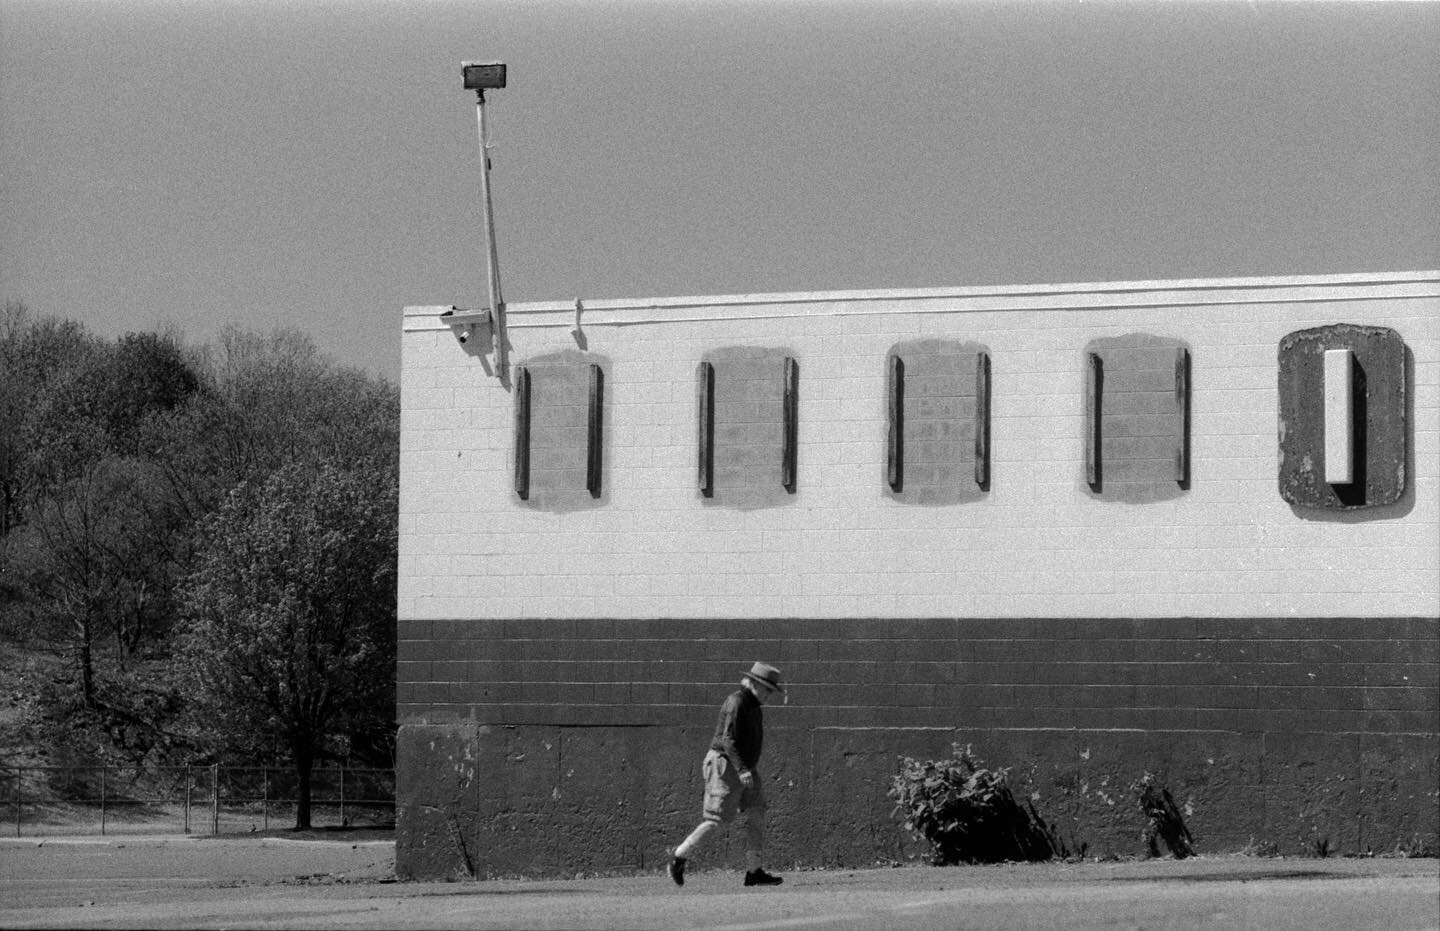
[967,813]
[1318,846]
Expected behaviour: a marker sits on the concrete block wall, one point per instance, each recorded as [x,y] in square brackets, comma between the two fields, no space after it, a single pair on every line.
[1258,654]
[1037,544]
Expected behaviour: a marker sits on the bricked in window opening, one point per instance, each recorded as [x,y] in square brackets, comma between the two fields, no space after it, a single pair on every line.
[1137,418]
[747,427]
[938,422]
[559,437]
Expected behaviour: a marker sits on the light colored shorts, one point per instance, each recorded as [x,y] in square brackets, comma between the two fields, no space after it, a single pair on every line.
[724,795]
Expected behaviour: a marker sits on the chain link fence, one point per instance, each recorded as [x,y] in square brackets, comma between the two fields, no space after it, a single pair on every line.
[53,800]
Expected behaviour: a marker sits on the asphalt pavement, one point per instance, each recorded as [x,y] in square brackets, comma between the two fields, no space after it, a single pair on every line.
[274,882]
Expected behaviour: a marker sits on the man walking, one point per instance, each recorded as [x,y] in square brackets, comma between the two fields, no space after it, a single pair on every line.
[732,783]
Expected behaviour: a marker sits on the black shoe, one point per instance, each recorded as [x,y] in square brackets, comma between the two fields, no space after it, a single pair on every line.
[677,870]
[761,878]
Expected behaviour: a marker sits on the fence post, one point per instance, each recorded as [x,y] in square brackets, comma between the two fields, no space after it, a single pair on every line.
[103,770]
[17,801]
[342,796]
[214,798]
[265,781]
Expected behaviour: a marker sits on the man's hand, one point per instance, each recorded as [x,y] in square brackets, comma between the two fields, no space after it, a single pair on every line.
[747,779]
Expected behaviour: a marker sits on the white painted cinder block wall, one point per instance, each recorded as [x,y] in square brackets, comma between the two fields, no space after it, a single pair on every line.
[1037,545]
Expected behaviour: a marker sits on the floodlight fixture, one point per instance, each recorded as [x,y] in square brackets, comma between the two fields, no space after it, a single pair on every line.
[480,77]
[483,75]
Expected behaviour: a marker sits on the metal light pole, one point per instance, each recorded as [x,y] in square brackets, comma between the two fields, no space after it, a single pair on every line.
[479,77]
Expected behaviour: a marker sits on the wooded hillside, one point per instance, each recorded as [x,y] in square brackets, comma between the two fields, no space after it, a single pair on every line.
[197,549]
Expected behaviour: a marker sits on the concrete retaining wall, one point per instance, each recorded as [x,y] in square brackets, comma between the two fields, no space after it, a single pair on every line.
[1280,730]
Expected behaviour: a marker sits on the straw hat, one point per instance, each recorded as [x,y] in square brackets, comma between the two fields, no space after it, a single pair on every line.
[766,675]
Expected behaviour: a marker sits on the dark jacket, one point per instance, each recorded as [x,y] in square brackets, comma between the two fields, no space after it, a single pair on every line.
[740,732]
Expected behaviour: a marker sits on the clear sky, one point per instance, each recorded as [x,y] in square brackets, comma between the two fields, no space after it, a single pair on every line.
[198,163]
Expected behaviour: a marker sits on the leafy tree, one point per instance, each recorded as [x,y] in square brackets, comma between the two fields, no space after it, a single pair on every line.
[101,405]
[111,457]
[33,353]
[104,539]
[98,564]
[290,610]
[265,400]
[282,401]
[148,374]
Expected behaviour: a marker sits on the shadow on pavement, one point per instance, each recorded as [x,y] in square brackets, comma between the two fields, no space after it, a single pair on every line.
[1240,877]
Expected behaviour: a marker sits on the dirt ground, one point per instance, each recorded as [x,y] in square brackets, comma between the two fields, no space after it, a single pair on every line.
[348,881]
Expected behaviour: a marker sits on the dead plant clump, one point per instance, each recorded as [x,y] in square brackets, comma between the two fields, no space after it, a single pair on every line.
[968,814]
[1163,821]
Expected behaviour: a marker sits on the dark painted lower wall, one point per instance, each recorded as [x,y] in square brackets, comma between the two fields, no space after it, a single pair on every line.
[558,747]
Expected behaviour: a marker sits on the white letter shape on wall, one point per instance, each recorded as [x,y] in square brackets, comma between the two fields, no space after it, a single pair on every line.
[1339,416]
